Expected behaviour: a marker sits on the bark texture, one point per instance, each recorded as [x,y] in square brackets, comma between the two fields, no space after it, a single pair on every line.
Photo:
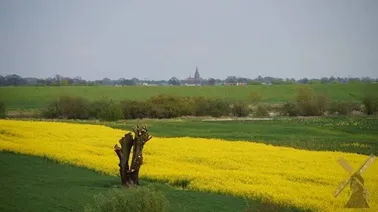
[130,173]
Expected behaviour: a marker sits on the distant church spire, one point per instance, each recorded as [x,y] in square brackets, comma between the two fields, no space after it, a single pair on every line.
[196,74]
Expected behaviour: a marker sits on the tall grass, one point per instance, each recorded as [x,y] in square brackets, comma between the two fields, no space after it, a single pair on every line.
[141,199]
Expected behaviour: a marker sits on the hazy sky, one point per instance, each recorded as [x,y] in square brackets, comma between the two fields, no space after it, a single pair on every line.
[160,39]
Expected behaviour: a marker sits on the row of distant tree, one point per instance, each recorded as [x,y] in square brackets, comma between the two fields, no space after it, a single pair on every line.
[16,80]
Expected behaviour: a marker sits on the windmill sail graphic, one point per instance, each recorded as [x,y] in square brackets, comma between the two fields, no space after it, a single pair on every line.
[359,195]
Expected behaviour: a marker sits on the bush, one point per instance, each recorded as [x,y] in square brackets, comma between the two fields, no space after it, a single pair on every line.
[2,110]
[342,108]
[276,108]
[51,111]
[289,109]
[68,107]
[106,109]
[136,109]
[370,103]
[255,97]
[214,107]
[202,105]
[310,103]
[321,101]
[240,109]
[160,106]
[188,106]
[141,199]
[169,106]
[261,111]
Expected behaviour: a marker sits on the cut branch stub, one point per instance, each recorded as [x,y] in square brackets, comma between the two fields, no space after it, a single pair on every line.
[130,174]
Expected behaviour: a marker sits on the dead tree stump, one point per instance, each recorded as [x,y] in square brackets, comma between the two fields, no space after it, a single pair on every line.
[130,173]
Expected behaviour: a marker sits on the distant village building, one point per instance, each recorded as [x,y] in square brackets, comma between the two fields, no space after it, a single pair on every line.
[235,83]
[196,80]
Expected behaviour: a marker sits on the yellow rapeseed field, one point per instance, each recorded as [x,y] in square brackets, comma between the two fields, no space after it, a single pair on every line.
[302,178]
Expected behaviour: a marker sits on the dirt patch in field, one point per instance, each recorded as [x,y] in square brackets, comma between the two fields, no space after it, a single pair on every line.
[23,113]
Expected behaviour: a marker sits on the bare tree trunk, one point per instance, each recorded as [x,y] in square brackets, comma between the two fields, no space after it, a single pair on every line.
[130,174]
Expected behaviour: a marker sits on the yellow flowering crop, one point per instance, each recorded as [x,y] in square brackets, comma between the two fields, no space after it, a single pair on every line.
[288,176]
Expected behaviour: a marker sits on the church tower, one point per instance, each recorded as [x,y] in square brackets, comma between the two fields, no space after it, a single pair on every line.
[196,74]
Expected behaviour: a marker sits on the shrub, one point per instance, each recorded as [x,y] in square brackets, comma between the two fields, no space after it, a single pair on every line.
[188,106]
[305,102]
[261,111]
[214,107]
[2,110]
[51,111]
[106,109]
[169,106]
[342,107]
[202,105]
[142,199]
[310,103]
[136,109]
[240,109]
[277,108]
[321,101]
[68,107]
[255,97]
[289,109]
[370,103]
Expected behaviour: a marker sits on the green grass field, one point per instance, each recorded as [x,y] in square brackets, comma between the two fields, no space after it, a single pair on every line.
[34,97]
[31,183]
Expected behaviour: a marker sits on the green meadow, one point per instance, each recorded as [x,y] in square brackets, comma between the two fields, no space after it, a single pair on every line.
[33,183]
[35,97]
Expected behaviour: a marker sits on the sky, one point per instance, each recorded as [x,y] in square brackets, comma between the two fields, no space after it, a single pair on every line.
[168,38]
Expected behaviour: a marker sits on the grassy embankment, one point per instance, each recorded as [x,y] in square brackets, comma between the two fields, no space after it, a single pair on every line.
[32,97]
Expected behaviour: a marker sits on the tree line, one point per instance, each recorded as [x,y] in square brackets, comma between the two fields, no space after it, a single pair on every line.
[58,80]
[307,102]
